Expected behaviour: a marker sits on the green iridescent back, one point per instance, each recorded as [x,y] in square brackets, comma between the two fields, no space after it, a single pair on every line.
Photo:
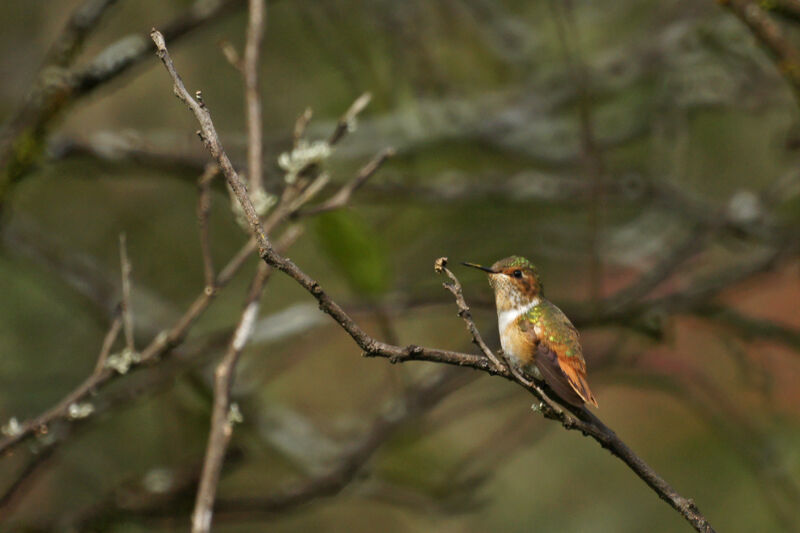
[556,330]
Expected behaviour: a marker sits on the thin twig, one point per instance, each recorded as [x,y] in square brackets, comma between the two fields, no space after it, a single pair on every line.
[300,126]
[102,376]
[108,342]
[302,196]
[343,195]
[224,414]
[23,137]
[784,54]
[83,21]
[160,346]
[420,398]
[65,408]
[203,211]
[252,93]
[150,382]
[231,54]
[454,286]
[209,137]
[548,408]
[658,273]
[347,121]
[12,495]
[586,423]
[127,311]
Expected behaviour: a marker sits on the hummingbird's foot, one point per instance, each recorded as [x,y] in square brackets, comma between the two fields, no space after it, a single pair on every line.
[518,365]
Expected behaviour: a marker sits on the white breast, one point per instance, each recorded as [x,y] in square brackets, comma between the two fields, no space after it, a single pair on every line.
[507,317]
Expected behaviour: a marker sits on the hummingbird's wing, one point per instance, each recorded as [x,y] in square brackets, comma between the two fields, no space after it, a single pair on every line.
[566,373]
[556,379]
[560,358]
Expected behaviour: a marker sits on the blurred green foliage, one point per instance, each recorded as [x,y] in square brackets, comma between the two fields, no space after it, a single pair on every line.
[356,250]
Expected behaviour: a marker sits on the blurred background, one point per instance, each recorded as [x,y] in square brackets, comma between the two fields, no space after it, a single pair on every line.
[643,154]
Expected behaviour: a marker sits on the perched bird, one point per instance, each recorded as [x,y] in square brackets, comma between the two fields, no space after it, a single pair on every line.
[536,336]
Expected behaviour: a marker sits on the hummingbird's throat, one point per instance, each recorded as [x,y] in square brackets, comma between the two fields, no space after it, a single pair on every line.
[508,295]
[506,317]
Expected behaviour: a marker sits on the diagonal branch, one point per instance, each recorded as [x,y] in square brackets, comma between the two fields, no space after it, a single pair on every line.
[463,311]
[586,422]
[160,346]
[785,55]
[81,23]
[343,195]
[23,137]
[289,207]
[347,121]
[224,413]
[69,407]
[418,400]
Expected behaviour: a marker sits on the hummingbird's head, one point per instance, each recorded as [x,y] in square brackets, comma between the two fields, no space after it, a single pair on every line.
[515,281]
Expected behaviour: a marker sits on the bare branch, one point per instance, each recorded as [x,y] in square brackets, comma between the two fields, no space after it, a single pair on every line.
[419,399]
[22,481]
[108,342]
[96,285]
[70,407]
[546,406]
[160,346]
[785,55]
[343,195]
[231,54]
[24,135]
[660,272]
[203,210]
[81,23]
[300,126]
[152,381]
[127,311]
[224,413]
[347,121]
[454,286]
[252,94]
[586,422]
[209,136]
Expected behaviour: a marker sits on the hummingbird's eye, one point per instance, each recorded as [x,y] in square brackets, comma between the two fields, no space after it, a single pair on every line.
[517,273]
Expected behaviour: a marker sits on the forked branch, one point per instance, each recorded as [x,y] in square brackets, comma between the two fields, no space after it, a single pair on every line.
[583,421]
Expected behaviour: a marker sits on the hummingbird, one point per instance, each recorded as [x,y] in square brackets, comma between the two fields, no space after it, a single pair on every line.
[536,336]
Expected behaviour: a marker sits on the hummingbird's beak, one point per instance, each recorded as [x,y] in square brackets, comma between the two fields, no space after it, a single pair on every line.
[480,267]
